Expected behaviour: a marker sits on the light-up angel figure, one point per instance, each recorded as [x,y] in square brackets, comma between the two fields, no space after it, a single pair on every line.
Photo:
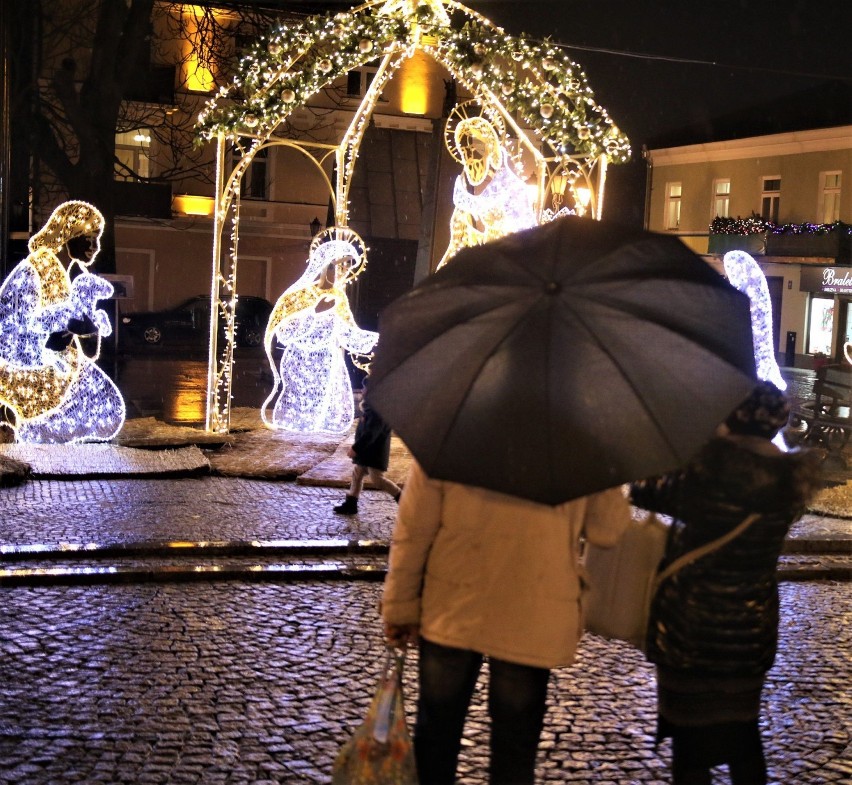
[313,325]
[745,275]
[53,391]
[501,205]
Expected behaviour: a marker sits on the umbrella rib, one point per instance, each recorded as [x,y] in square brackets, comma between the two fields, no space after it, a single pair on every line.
[485,357]
[614,359]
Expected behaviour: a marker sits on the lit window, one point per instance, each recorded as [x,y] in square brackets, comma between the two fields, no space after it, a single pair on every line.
[673,197]
[829,211]
[721,198]
[770,199]
[133,154]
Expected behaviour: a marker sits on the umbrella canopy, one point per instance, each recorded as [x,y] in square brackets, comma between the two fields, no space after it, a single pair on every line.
[563,360]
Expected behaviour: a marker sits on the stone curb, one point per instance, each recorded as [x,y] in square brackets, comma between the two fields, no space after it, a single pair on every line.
[316,564]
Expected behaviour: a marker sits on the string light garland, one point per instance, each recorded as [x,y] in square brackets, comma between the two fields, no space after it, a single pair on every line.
[56,393]
[745,275]
[312,326]
[756,225]
[536,80]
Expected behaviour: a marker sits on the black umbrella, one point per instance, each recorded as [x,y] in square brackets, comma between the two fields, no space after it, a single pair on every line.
[563,360]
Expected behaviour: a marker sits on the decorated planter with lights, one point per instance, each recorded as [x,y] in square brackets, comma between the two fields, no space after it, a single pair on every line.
[830,244]
[754,244]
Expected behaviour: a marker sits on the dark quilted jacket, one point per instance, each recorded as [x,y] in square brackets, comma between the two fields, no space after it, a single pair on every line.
[720,613]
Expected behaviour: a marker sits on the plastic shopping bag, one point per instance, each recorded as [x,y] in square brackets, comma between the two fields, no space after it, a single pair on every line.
[380,751]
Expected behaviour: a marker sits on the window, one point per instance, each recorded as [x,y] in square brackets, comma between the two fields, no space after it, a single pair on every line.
[133,154]
[829,208]
[721,198]
[770,199]
[359,81]
[673,195]
[256,184]
[820,325]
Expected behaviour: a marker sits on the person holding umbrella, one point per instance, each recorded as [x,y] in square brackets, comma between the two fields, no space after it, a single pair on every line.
[475,575]
[529,379]
[713,629]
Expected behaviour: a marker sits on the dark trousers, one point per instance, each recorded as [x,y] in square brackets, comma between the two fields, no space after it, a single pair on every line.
[516,705]
[696,749]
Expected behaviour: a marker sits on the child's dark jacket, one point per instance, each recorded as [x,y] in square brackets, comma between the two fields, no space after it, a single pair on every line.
[372,440]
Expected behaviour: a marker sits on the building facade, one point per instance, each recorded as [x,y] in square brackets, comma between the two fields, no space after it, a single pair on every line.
[784,198]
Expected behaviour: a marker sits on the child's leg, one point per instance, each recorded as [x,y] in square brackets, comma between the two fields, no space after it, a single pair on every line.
[383,483]
[357,484]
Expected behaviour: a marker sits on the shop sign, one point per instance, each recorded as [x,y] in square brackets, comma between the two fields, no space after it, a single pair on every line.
[830,280]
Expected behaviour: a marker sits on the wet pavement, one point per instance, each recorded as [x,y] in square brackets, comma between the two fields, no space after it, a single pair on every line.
[225,630]
[222,630]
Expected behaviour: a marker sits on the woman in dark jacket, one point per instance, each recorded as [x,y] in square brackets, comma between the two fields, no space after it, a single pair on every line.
[713,629]
[370,454]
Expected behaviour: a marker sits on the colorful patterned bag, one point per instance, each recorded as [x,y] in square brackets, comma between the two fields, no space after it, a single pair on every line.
[380,751]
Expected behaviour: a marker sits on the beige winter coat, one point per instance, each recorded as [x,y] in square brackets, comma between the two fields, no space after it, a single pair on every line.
[492,573]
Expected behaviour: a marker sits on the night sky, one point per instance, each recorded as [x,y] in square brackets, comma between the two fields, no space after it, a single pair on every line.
[761,50]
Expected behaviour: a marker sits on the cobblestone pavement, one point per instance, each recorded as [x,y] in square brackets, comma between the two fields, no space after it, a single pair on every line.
[244,683]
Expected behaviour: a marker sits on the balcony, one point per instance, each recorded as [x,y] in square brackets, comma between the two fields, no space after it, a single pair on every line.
[758,237]
[754,244]
[834,244]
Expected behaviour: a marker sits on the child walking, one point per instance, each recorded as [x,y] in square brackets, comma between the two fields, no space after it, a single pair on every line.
[370,454]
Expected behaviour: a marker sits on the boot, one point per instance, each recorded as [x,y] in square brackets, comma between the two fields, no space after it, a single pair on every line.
[349,506]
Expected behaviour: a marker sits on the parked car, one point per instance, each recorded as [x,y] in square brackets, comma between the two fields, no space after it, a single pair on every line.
[189,323]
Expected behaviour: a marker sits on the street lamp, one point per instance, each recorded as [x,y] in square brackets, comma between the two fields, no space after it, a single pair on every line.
[315,227]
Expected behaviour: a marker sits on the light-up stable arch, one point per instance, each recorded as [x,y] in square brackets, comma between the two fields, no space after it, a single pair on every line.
[542,96]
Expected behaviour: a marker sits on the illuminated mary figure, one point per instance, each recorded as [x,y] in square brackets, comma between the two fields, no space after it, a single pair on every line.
[313,327]
[490,200]
[53,390]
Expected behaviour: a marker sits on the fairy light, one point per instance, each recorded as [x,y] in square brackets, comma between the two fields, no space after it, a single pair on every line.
[313,326]
[57,395]
[745,275]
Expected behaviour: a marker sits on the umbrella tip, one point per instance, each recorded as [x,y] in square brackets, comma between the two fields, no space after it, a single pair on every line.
[553,287]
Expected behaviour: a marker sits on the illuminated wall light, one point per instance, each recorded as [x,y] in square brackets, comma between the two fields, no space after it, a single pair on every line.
[414,85]
[197,51]
[745,275]
[312,326]
[57,395]
[193,205]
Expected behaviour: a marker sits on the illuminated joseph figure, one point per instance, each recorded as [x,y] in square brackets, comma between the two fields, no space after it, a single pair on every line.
[53,390]
[531,92]
[312,326]
[489,199]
